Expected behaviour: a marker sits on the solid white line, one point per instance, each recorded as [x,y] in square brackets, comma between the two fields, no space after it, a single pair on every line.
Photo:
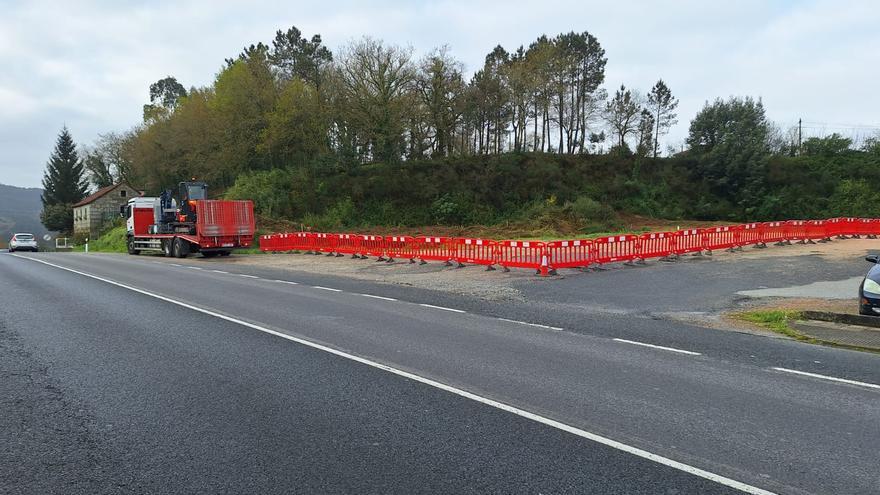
[829,378]
[443,308]
[326,288]
[247,276]
[531,324]
[738,485]
[220,271]
[286,282]
[379,297]
[672,349]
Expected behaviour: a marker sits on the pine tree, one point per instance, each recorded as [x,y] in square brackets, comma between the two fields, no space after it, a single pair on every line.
[64,184]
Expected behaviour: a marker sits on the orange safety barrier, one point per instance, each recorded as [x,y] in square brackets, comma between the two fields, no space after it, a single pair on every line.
[656,245]
[689,241]
[570,254]
[616,248]
[523,254]
[436,249]
[545,257]
[476,251]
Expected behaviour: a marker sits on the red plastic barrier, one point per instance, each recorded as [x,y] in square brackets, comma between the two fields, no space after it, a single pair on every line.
[435,248]
[570,254]
[523,254]
[795,230]
[476,251]
[372,245]
[773,231]
[616,248]
[347,244]
[400,246]
[656,245]
[751,233]
[719,238]
[689,241]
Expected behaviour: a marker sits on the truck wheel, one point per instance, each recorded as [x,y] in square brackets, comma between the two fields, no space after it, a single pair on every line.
[181,248]
[167,248]
[129,244]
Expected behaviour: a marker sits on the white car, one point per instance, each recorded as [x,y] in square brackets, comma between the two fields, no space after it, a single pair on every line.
[23,242]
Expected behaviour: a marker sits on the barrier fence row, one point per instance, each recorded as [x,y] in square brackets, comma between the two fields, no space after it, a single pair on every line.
[546,257]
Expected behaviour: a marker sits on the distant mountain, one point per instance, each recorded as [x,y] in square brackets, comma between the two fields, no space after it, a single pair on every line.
[20,212]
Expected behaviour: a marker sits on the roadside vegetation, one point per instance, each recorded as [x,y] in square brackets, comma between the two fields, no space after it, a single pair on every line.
[533,144]
[776,320]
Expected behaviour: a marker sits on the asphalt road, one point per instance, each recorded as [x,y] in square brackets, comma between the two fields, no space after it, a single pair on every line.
[109,389]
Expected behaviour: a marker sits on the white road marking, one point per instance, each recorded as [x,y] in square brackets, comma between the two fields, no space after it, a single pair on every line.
[829,378]
[173,264]
[247,276]
[644,454]
[379,297]
[195,267]
[443,308]
[220,271]
[326,288]
[286,282]
[531,324]
[671,349]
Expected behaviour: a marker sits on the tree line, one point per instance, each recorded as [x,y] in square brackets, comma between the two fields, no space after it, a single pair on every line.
[374,134]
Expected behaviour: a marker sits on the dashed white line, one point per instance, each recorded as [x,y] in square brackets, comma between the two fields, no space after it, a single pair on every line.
[644,454]
[173,264]
[671,349]
[443,308]
[195,267]
[286,282]
[326,288]
[220,271]
[829,378]
[548,327]
[247,276]
[379,297]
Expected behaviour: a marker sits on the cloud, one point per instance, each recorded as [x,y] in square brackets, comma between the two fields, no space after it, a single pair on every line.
[89,64]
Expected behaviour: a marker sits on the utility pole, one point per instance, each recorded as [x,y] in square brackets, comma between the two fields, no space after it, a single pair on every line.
[800,135]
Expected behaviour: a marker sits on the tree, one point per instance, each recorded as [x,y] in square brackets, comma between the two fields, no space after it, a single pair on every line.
[377,97]
[441,88]
[293,56]
[164,96]
[621,112]
[729,140]
[662,106]
[646,133]
[64,184]
[99,171]
[828,146]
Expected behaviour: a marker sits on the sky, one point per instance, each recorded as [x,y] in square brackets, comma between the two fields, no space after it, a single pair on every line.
[88,64]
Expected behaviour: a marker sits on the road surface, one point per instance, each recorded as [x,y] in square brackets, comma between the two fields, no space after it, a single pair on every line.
[143,375]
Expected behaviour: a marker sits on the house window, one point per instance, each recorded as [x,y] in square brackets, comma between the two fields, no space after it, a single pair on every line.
[122,193]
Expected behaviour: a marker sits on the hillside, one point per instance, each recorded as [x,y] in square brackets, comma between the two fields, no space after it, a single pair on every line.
[19,212]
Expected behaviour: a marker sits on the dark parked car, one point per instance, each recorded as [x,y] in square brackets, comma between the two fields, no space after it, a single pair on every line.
[869,291]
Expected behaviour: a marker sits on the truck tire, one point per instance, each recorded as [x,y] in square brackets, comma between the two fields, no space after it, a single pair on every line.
[167,248]
[181,248]
[129,244]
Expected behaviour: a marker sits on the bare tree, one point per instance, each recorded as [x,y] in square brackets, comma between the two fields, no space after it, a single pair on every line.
[621,114]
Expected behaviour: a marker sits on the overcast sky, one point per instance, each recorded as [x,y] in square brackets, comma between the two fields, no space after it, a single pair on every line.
[89,64]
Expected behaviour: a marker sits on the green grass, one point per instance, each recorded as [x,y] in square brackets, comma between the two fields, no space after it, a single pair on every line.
[110,241]
[775,320]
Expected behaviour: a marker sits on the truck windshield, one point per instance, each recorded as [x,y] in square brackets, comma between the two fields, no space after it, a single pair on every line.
[195,192]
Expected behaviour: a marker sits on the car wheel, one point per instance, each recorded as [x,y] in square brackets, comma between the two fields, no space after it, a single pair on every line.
[11,250]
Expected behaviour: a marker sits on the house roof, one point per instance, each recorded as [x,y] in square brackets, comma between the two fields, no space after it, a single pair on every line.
[102,192]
